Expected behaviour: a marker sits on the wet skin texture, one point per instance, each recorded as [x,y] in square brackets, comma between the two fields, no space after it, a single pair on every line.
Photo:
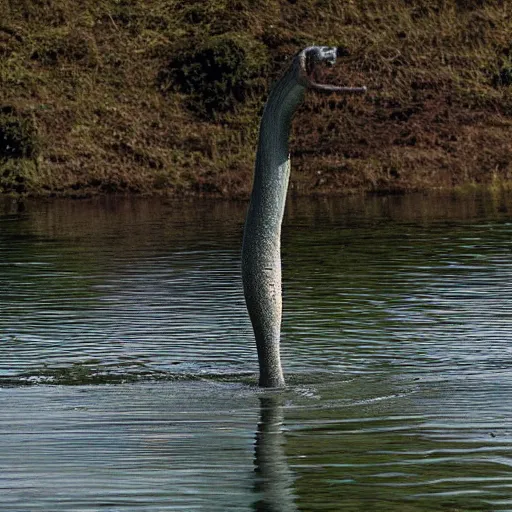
[261,249]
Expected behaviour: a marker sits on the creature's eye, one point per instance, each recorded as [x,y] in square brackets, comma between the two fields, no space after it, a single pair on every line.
[329,53]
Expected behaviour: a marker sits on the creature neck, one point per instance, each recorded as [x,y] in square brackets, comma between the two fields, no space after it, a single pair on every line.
[272,174]
[261,251]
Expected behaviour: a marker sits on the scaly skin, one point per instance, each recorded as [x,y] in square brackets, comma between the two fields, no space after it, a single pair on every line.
[261,249]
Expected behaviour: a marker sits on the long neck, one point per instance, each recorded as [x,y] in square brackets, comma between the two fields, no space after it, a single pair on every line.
[261,252]
[272,174]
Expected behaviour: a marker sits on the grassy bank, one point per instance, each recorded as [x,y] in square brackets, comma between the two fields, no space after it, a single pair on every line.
[161,96]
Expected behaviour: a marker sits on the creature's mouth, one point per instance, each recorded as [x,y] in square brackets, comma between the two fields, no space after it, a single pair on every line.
[314,55]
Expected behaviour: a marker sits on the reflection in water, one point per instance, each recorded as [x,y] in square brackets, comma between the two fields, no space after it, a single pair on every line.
[275,479]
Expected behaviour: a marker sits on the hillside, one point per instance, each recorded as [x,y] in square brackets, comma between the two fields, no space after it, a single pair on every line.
[164,96]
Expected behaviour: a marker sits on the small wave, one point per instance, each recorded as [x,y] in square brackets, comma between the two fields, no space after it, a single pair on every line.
[79,374]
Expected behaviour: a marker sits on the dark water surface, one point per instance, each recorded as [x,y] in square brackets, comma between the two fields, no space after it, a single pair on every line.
[127,363]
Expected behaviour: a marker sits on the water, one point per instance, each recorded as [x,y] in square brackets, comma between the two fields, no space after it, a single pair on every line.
[128,368]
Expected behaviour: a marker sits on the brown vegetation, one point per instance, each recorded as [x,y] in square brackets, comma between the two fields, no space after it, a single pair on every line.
[152,96]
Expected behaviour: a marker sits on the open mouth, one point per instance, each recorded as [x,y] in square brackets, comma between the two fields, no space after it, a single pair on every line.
[314,55]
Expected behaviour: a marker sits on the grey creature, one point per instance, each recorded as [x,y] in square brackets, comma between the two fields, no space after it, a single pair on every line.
[261,249]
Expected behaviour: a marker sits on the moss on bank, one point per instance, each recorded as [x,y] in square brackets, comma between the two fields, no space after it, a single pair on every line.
[154,96]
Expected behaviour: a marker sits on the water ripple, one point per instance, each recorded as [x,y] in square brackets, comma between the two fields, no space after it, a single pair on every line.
[396,346]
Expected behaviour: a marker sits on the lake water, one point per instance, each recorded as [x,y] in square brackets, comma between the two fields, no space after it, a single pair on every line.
[128,366]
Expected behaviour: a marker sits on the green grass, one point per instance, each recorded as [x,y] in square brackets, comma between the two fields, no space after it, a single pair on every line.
[161,96]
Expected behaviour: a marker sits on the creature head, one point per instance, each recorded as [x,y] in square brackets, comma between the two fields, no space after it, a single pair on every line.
[308,59]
